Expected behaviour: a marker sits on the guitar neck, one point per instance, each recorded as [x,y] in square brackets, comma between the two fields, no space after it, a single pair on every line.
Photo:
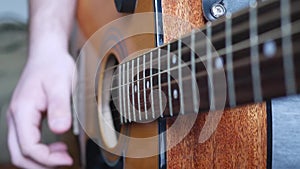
[242,58]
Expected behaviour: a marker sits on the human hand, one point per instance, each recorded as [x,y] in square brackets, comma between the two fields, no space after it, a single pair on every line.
[45,86]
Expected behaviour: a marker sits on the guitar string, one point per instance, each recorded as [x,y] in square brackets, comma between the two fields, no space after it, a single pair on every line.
[240,63]
[203,40]
[224,65]
[271,75]
[203,58]
[294,23]
[268,76]
[240,46]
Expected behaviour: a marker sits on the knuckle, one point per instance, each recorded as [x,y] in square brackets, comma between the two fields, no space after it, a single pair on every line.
[17,161]
[26,151]
[16,107]
[13,108]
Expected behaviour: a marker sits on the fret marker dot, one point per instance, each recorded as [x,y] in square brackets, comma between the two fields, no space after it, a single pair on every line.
[174,59]
[147,84]
[269,48]
[135,88]
[219,63]
[175,93]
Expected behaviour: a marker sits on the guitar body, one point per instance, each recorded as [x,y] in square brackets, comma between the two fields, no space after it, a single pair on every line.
[240,139]
[90,19]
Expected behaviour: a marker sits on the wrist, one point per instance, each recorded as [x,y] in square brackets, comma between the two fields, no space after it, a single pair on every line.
[47,44]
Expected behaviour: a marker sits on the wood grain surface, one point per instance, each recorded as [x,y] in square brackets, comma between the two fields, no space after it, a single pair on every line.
[240,140]
[90,19]
[180,16]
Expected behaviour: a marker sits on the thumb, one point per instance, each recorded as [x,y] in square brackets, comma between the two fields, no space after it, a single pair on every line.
[59,110]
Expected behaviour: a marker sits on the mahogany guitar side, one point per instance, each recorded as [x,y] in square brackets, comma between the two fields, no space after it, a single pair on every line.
[240,140]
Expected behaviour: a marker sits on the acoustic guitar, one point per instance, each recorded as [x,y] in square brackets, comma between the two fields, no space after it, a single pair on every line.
[184,92]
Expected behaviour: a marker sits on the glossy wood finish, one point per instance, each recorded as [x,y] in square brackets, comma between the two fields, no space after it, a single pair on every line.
[142,131]
[240,140]
[90,19]
[179,17]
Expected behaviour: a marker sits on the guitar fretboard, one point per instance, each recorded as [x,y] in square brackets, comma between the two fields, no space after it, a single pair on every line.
[242,58]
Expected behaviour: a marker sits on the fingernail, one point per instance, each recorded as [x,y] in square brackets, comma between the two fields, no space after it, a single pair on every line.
[59,124]
[68,161]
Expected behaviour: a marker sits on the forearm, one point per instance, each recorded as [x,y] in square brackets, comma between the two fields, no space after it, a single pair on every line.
[50,25]
[48,62]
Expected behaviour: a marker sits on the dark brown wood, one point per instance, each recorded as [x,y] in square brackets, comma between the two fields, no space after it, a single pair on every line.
[238,142]
[240,138]
[271,68]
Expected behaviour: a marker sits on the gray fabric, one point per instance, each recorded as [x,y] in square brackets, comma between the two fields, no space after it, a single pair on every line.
[4,157]
[13,53]
[286,133]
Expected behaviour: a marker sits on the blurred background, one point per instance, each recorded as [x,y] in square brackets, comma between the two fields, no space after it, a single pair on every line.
[13,50]
[13,54]
[17,9]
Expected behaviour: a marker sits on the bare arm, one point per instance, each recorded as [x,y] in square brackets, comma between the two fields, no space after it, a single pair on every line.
[50,21]
[45,86]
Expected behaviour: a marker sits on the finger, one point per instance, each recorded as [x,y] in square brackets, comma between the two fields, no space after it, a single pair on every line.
[59,110]
[15,152]
[28,133]
[58,146]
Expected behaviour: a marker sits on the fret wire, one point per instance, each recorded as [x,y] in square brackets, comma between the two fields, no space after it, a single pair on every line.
[151,86]
[120,98]
[138,87]
[193,66]
[133,90]
[216,24]
[159,83]
[145,91]
[229,66]
[209,67]
[237,47]
[245,62]
[275,34]
[169,81]
[231,46]
[180,77]
[223,49]
[255,72]
[287,49]
[124,100]
[128,96]
[203,74]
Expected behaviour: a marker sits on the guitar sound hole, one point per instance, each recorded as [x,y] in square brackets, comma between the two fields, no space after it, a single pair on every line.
[109,118]
[116,116]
